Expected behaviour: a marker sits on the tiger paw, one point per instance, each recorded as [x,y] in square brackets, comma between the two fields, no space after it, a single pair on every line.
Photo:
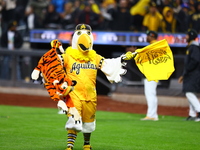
[62,105]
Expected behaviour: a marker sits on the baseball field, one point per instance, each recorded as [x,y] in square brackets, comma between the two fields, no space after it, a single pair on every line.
[34,125]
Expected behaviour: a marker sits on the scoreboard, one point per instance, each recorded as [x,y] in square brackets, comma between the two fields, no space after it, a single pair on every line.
[108,37]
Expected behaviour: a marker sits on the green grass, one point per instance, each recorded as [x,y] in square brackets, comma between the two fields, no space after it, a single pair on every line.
[28,128]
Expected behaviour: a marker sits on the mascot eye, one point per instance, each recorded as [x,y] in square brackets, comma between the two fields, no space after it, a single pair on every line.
[64,85]
[88,32]
[79,33]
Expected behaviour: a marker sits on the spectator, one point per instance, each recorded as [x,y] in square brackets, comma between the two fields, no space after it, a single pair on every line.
[153,19]
[122,17]
[168,3]
[39,7]
[52,19]
[7,13]
[177,6]
[68,21]
[76,10]
[11,39]
[94,6]
[191,73]
[192,6]
[150,87]
[32,20]
[195,18]
[169,21]
[20,11]
[59,5]
[20,16]
[159,4]
[87,16]
[107,9]
[182,18]
[138,12]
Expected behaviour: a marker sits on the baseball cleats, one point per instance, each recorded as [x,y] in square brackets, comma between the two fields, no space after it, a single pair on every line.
[149,118]
[69,148]
[190,118]
[197,119]
[87,147]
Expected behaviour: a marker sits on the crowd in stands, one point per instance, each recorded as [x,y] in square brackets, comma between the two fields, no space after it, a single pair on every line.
[167,16]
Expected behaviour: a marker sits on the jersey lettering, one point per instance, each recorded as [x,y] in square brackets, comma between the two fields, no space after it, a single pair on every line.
[77,66]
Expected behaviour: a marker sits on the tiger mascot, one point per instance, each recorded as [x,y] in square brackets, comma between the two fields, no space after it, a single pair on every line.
[55,78]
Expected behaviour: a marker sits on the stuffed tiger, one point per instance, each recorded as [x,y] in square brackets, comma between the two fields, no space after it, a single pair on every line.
[54,77]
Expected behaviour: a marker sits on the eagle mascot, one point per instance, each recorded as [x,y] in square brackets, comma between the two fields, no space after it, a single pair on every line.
[70,79]
[81,63]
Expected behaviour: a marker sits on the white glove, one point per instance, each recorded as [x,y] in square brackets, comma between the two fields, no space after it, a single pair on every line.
[74,112]
[62,105]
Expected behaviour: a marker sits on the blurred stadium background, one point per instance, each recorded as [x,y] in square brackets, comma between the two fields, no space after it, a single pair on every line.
[107,44]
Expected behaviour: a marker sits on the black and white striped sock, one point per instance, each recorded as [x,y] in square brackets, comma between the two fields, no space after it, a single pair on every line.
[71,139]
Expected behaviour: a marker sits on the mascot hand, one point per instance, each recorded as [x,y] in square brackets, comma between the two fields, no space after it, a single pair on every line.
[75,114]
[62,105]
[129,55]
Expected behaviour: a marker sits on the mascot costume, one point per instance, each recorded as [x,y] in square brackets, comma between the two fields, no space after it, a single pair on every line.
[55,79]
[80,64]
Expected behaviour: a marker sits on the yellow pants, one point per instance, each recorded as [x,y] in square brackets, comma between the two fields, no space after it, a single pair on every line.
[86,109]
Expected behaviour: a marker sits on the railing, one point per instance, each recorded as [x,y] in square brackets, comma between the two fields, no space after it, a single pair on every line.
[16,82]
[14,61]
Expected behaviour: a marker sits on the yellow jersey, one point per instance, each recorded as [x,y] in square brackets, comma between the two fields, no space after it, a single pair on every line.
[85,74]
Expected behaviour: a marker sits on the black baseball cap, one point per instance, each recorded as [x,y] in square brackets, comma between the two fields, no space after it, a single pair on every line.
[83,27]
[152,33]
[192,34]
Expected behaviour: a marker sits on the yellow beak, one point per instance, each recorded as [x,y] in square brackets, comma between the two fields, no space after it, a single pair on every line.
[84,42]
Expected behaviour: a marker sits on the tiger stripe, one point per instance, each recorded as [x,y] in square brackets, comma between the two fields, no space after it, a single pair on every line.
[52,70]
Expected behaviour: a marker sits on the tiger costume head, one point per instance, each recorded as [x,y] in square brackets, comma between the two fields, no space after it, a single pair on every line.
[53,74]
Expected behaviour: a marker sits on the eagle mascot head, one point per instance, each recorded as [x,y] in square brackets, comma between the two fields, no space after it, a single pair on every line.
[82,44]
[82,38]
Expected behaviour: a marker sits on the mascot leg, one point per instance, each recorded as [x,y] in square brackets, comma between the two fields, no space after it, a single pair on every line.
[87,141]
[71,138]
[88,128]
[89,123]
